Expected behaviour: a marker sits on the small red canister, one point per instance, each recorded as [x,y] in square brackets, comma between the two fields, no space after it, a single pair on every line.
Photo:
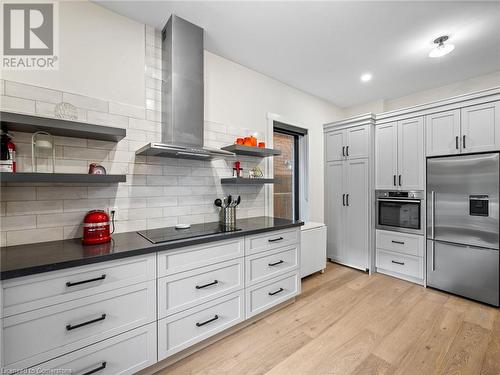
[96,228]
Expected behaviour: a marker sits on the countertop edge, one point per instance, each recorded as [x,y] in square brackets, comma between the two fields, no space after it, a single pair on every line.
[151,248]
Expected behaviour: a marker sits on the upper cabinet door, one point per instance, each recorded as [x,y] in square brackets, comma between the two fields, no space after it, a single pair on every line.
[358,144]
[335,145]
[411,154]
[386,156]
[481,128]
[443,133]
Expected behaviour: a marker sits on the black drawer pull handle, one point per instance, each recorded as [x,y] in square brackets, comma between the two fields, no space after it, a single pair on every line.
[209,284]
[456,142]
[69,327]
[396,262]
[398,242]
[394,179]
[278,291]
[463,141]
[343,150]
[275,263]
[97,369]
[207,321]
[276,239]
[347,150]
[69,283]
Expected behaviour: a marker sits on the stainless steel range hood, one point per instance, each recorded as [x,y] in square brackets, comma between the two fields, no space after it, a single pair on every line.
[182,95]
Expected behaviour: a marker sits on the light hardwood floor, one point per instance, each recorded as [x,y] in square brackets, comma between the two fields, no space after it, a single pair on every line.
[346,322]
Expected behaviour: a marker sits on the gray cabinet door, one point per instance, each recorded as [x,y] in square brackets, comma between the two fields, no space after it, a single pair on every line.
[335,209]
[357,217]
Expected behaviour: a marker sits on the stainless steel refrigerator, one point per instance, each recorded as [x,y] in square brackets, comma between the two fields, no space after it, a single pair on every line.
[463,225]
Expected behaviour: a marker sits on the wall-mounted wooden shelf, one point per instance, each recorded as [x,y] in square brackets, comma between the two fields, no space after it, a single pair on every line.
[247,181]
[66,128]
[251,151]
[61,177]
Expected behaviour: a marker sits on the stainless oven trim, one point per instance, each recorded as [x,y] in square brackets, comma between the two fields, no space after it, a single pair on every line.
[378,198]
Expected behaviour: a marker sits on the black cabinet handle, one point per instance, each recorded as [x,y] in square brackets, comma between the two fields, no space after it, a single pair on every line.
[343,199]
[347,150]
[69,283]
[209,284]
[347,199]
[463,141]
[69,327]
[276,239]
[396,262]
[343,150]
[399,180]
[278,291]
[275,263]
[456,142]
[207,321]
[394,179]
[97,369]
[398,242]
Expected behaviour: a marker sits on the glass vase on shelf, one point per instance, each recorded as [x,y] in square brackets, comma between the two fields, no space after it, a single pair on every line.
[43,152]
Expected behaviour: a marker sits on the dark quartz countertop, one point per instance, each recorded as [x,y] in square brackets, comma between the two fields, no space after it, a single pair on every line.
[23,260]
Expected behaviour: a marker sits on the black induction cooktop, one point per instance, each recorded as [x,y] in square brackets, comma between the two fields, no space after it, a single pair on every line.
[161,235]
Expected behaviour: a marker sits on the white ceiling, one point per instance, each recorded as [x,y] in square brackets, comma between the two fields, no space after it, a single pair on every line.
[323,47]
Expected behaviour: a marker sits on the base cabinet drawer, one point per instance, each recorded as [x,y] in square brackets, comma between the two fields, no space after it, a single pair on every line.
[263,266]
[411,244]
[188,289]
[271,240]
[405,265]
[34,292]
[120,355]
[37,336]
[263,296]
[179,331]
[191,257]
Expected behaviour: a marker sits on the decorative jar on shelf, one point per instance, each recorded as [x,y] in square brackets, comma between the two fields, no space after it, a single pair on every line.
[43,152]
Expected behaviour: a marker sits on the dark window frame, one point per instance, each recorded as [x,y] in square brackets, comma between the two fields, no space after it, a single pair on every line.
[279,127]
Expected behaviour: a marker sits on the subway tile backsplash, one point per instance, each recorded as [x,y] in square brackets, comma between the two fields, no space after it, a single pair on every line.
[159,191]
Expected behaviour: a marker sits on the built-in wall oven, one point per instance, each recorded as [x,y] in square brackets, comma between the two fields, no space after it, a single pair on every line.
[400,211]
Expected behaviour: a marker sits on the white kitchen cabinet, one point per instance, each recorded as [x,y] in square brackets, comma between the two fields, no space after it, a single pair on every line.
[356,233]
[358,139]
[443,133]
[411,154]
[399,155]
[312,248]
[469,129]
[386,156]
[347,215]
[351,143]
[335,203]
[481,127]
[335,142]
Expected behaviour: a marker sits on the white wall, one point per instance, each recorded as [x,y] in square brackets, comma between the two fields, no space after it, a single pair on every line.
[241,97]
[458,88]
[101,55]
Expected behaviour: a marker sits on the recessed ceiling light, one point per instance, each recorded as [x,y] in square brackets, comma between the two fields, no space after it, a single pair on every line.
[441,49]
[366,77]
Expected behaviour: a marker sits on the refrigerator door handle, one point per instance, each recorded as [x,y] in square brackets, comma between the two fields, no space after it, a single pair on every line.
[433,198]
[433,256]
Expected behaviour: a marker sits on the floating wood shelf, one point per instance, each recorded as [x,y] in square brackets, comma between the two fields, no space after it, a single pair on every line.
[247,181]
[61,177]
[66,128]
[251,151]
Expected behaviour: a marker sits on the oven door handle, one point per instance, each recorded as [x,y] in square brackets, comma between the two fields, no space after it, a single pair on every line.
[399,200]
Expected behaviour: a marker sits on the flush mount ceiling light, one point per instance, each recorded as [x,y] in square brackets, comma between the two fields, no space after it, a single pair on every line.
[366,77]
[441,49]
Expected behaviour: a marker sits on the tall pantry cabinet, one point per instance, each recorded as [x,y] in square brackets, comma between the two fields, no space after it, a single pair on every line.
[348,190]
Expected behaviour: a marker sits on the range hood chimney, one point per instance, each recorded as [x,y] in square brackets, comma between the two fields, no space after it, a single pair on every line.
[182,93]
